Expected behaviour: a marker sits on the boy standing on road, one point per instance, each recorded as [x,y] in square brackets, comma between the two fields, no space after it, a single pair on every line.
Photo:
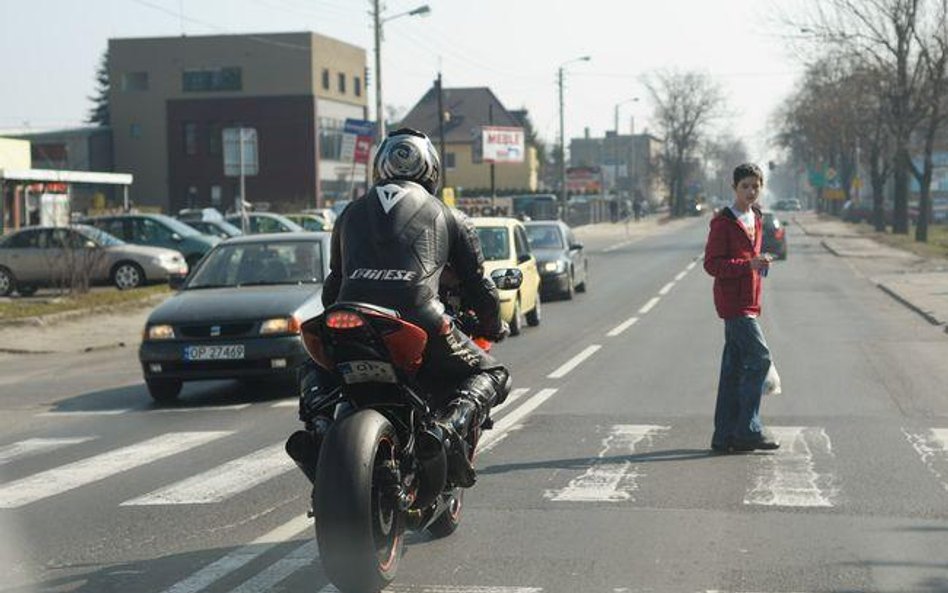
[732,255]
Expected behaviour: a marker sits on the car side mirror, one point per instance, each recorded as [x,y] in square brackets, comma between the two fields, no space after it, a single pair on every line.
[523,258]
[507,278]
[90,244]
[576,246]
[176,281]
[175,237]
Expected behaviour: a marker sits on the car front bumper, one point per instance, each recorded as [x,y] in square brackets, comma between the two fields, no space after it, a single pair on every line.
[263,357]
[554,283]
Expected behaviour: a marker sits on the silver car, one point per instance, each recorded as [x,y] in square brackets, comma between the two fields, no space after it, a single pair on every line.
[60,256]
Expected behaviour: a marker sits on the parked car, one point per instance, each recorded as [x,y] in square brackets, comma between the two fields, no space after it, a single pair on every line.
[209,221]
[505,245]
[157,230]
[310,222]
[237,316]
[775,236]
[788,205]
[265,222]
[560,257]
[35,257]
[219,228]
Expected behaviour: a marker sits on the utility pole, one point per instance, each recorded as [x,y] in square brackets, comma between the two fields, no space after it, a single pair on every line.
[379,118]
[563,195]
[493,181]
[444,174]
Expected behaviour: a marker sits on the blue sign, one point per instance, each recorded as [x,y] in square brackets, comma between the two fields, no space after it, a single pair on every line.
[359,127]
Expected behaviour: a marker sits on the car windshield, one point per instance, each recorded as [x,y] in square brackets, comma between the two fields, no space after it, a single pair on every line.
[544,236]
[495,244]
[243,264]
[177,226]
[99,236]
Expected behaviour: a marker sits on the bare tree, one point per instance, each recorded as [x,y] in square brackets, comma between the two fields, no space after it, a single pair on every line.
[685,103]
[722,154]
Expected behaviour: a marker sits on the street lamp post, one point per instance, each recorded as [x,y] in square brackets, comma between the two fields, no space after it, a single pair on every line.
[563,193]
[615,155]
[379,20]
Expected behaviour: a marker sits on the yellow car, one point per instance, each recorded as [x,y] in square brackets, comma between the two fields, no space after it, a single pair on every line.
[504,244]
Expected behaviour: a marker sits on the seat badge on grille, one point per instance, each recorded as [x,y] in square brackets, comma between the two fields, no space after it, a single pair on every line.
[215,331]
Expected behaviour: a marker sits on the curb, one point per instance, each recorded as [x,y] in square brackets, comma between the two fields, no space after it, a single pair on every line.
[907,303]
[53,318]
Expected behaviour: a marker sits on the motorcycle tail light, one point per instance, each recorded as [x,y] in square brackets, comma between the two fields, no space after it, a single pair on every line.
[779,234]
[406,346]
[344,320]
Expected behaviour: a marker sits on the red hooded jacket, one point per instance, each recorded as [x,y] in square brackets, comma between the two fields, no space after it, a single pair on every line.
[727,257]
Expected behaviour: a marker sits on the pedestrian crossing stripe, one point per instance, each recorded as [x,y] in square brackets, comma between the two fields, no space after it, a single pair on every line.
[224,481]
[789,478]
[98,467]
[30,447]
[932,448]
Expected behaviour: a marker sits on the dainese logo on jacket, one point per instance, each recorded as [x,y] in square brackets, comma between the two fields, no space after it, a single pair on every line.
[385,275]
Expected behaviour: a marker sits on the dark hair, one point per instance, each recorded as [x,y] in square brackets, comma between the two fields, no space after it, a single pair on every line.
[747,170]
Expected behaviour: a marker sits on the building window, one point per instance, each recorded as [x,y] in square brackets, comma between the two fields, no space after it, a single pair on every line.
[214,135]
[190,138]
[342,83]
[449,160]
[330,138]
[325,79]
[212,79]
[135,81]
[357,86]
[134,130]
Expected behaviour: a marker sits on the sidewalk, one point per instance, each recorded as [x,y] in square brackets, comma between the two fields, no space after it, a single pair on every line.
[919,283]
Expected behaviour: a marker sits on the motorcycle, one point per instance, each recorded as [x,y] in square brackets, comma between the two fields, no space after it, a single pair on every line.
[382,467]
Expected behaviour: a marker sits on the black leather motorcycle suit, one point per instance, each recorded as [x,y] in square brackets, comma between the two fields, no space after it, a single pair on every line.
[390,248]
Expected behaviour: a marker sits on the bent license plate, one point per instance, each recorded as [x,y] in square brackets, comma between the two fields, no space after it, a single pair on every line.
[221,352]
[366,371]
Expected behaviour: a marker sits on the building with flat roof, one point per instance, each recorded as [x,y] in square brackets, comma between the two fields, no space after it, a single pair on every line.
[172,97]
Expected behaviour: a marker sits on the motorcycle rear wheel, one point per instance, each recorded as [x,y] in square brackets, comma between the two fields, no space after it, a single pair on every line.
[359,527]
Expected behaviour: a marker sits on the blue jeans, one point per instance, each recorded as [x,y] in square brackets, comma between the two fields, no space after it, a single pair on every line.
[744,367]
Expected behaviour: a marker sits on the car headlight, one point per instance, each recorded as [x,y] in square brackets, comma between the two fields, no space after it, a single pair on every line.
[554,266]
[280,325]
[159,332]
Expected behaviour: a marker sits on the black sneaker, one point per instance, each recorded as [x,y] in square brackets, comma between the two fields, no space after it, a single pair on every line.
[721,448]
[764,443]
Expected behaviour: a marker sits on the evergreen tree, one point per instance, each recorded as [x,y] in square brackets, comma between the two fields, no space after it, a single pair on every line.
[99,114]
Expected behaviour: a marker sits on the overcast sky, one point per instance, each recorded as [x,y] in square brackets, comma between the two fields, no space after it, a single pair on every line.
[50,50]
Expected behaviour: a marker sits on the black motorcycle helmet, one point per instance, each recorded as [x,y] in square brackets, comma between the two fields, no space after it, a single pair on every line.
[408,155]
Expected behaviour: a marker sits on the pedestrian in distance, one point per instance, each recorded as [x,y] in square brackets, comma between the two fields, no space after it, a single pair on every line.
[732,256]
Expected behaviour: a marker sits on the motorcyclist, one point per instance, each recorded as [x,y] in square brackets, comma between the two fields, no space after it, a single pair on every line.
[390,248]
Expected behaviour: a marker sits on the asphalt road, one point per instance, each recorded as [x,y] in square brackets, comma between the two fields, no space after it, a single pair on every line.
[597,477]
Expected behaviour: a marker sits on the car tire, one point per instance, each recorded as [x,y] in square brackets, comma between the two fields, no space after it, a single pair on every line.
[26,291]
[581,287]
[163,391]
[516,323]
[536,315]
[126,275]
[7,282]
[570,289]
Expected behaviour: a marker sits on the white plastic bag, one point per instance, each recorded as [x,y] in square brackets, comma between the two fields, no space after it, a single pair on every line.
[772,381]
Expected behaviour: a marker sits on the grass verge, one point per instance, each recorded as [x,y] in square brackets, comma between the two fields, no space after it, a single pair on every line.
[937,245]
[99,299]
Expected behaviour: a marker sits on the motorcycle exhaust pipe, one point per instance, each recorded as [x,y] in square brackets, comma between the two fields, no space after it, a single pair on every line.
[433,466]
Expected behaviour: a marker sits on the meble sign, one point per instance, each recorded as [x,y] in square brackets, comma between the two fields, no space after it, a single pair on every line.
[502,144]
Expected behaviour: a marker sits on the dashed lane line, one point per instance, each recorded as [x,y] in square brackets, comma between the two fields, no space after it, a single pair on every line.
[622,327]
[649,305]
[572,363]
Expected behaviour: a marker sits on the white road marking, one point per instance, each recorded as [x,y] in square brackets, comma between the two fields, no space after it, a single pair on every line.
[113,412]
[605,480]
[666,289]
[690,266]
[242,556]
[222,482]
[289,403]
[649,305]
[30,447]
[618,246]
[622,327]
[788,477]
[502,426]
[266,580]
[574,362]
[681,275]
[513,396]
[400,588]
[227,408]
[932,447]
[58,480]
